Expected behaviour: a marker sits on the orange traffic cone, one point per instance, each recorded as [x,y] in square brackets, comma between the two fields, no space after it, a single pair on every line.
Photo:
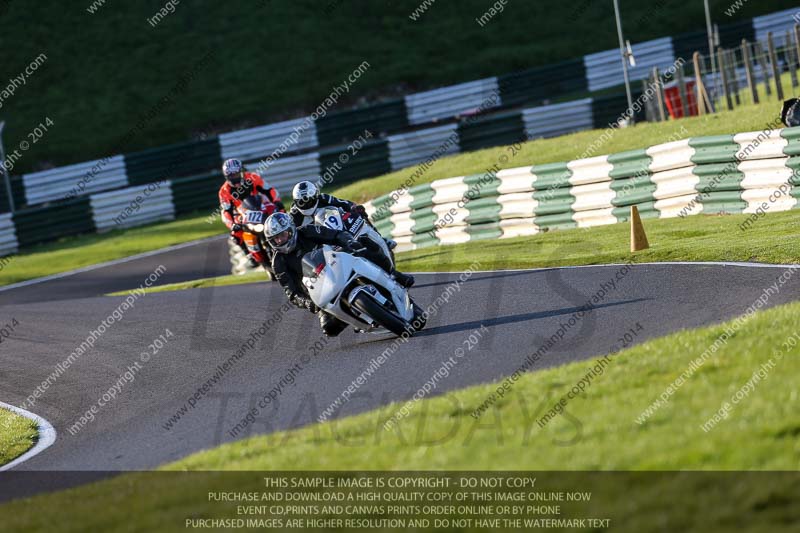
[638,236]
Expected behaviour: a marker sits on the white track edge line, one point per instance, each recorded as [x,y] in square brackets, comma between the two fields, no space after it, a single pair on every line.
[661,263]
[47,436]
[113,262]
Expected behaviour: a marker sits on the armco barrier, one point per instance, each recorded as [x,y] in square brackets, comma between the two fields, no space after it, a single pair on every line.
[75,180]
[408,149]
[704,175]
[8,236]
[283,173]
[43,224]
[195,193]
[340,127]
[454,100]
[345,165]
[558,119]
[540,83]
[604,69]
[494,130]
[172,161]
[257,143]
[777,23]
[133,206]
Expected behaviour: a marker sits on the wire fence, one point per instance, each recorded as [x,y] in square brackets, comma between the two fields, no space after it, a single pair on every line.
[747,74]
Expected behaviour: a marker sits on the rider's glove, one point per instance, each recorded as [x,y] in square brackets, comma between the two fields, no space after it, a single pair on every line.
[359,210]
[352,246]
[235,228]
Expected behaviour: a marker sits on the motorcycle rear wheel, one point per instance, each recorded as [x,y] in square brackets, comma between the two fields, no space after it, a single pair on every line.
[367,305]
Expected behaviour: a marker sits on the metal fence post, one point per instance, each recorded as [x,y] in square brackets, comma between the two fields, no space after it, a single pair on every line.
[773,58]
[624,58]
[724,75]
[734,76]
[662,114]
[762,62]
[797,43]
[791,59]
[748,66]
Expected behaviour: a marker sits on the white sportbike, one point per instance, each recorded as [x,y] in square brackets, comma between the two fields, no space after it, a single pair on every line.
[359,292]
[336,219]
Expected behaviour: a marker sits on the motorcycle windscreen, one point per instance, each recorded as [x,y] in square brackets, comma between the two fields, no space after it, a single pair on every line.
[310,262]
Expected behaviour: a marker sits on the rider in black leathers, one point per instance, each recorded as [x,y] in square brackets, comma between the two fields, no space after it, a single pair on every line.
[287,262]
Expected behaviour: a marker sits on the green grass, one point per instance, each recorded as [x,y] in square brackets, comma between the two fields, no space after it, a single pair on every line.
[75,252]
[106,70]
[772,239]
[758,435]
[219,281]
[599,432]
[84,250]
[569,147]
[17,435]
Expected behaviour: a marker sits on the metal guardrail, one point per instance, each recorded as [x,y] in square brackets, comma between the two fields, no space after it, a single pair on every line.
[133,206]
[8,236]
[451,101]
[259,142]
[75,180]
[284,172]
[558,119]
[777,23]
[604,70]
[408,149]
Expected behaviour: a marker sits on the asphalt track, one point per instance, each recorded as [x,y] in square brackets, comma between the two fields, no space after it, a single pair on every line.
[519,309]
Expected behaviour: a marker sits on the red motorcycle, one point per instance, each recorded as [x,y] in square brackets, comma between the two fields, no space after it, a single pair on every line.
[252,214]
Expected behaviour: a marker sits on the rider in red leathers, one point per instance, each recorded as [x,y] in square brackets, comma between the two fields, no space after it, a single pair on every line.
[239,184]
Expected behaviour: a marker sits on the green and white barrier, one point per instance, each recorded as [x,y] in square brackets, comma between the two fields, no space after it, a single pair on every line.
[703,175]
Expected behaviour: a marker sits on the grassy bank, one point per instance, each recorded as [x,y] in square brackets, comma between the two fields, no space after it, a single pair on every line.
[772,239]
[599,431]
[75,252]
[121,66]
[219,281]
[84,250]
[17,435]
[759,434]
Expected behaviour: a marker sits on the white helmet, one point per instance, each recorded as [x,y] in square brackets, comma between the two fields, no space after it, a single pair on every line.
[281,232]
[233,170]
[306,197]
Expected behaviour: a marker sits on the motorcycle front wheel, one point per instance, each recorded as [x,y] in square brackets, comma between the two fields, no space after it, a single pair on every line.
[367,305]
